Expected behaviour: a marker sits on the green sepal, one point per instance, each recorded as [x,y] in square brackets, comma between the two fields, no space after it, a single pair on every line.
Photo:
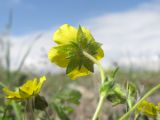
[132,90]
[131,94]
[89,65]
[71,66]
[40,103]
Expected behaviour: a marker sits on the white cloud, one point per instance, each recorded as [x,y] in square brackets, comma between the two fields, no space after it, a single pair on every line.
[133,34]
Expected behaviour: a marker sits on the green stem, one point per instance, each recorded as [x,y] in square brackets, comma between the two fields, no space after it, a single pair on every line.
[47,114]
[99,107]
[98,64]
[4,113]
[102,73]
[158,116]
[138,103]
[16,110]
[29,109]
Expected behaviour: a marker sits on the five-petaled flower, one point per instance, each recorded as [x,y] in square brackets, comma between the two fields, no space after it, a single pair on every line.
[27,90]
[69,51]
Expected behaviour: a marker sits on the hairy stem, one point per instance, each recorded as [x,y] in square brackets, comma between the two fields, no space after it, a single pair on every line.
[29,109]
[102,73]
[94,60]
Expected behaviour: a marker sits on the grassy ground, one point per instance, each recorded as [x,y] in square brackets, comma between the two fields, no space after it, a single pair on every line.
[88,86]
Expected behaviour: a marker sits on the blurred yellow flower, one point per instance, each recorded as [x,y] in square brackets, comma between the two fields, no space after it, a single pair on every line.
[148,108]
[69,52]
[26,91]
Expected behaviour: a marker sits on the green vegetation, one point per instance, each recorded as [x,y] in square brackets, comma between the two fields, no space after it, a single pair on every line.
[121,94]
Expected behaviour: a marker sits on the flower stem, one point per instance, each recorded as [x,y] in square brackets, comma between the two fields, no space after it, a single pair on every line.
[94,60]
[138,103]
[102,73]
[29,109]
[99,107]
[16,110]
[47,114]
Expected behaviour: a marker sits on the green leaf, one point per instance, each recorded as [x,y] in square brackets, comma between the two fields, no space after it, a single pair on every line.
[40,103]
[115,72]
[132,90]
[68,109]
[131,94]
[60,111]
[117,95]
[63,102]
[106,87]
[70,96]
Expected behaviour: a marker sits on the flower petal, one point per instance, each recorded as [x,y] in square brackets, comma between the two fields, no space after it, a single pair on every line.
[26,89]
[78,72]
[57,57]
[65,34]
[87,33]
[11,95]
[99,54]
[147,108]
[42,80]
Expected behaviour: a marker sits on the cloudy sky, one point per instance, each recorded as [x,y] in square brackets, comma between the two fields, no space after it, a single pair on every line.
[36,15]
[128,29]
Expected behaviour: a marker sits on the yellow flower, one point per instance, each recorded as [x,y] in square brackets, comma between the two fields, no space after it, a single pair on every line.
[26,91]
[148,108]
[68,53]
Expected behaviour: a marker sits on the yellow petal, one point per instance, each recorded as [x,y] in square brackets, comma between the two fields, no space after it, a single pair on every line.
[35,84]
[57,57]
[87,33]
[99,54]
[147,108]
[65,34]
[42,80]
[10,94]
[77,73]
[24,94]
[26,89]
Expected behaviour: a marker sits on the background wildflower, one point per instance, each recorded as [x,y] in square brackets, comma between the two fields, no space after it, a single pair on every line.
[26,91]
[148,108]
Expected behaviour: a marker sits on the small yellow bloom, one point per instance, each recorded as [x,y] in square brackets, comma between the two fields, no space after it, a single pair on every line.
[26,91]
[148,108]
[68,53]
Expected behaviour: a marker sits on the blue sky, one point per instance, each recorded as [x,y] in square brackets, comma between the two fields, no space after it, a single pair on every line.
[40,15]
